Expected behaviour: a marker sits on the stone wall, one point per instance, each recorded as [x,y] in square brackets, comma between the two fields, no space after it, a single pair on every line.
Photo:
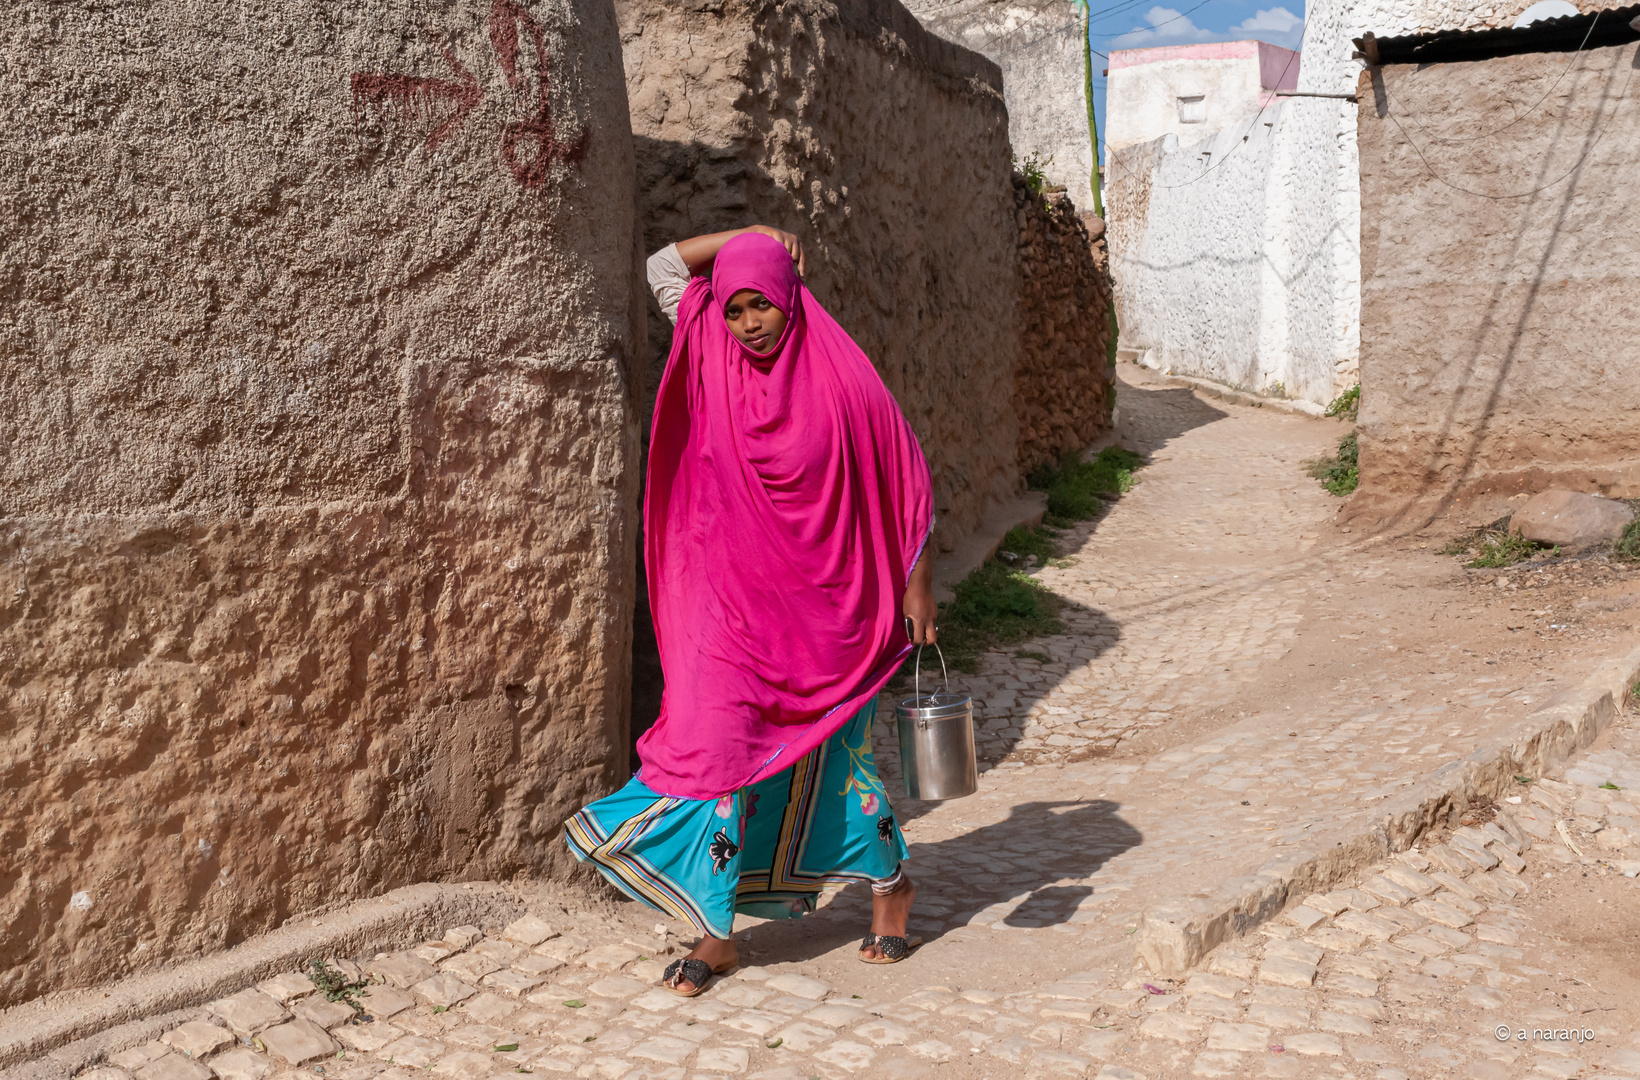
[1062,384]
[1038,45]
[1236,257]
[1498,328]
[886,149]
[318,401]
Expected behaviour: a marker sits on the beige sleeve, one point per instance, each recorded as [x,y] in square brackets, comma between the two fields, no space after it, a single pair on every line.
[668,277]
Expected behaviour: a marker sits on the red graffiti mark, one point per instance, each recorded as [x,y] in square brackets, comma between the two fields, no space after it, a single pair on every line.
[422,96]
[528,146]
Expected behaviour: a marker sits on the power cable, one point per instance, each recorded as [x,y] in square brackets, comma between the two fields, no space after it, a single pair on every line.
[1229,153]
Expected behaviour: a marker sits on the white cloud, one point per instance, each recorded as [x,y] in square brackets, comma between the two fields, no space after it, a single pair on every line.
[1167,26]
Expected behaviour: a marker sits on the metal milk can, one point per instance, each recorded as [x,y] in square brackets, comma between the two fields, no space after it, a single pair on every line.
[937,740]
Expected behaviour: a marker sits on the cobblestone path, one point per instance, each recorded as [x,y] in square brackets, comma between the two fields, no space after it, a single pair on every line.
[1240,686]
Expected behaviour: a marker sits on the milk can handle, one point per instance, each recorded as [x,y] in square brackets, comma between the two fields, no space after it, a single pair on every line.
[916,673]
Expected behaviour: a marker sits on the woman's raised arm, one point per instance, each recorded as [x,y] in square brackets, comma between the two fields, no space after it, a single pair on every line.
[699,251]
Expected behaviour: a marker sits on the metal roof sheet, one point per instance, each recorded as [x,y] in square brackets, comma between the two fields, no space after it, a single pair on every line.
[1568,33]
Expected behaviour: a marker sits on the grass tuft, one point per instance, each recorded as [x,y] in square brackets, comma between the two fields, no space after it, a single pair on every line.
[1628,545]
[1492,546]
[1341,473]
[1075,486]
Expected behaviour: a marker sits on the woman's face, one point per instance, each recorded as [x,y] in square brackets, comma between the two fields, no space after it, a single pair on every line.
[757,323]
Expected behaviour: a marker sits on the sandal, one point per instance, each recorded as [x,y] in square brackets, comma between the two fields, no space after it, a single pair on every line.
[693,971]
[894,948]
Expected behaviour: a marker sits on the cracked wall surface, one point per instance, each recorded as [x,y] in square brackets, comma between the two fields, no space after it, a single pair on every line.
[319,380]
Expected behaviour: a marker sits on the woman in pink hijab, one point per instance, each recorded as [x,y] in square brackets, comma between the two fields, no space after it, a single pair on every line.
[785,518]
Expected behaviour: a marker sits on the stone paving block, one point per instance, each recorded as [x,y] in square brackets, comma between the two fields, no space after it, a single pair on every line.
[1514,863]
[1364,1007]
[174,1067]
[283,988]
[1443,858]
[1305,917]
[1335,939]
[366,1038]
[502,952]
[1464,904]
[786,1003]
[932,1049]
[1278,1017]
[1302,951]
[618,987]
[461,937]
[1343,1023]
[1313,1044]
[240,1064]
[1232,965]
[1446,935]
[754,1022]
[384,1001]
[434,951]
[536,964]
[1174,1027]
[1214,1008]
[1455,884]
[658,999]
[298,1042]
[443,989]
[402,970]
[529,931]
[327,1014]
[489,1008]
[1217,985]
[1499,935]
[886,1033]
[1358,900]
[664,1049]
[1117,1072]
[929,999]
[1238,1037]
[1410,879]
[103,1072]
[836,1015]
[1284,971]
[466,1065]
[1560,1068]
[846,1055]
[1216,1063]
[1355,985]
[248,1011]
[1390,892]
[469,967]
[1015,1050]
[1371,926]
[1068,1011]
[609,957]
[743,996]
[802,1037]
[1444,914]
[799,986]
[732,1060]
[197,1038]
[138,1056]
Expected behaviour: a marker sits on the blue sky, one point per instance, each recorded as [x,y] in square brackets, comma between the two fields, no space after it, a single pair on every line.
[1146,23]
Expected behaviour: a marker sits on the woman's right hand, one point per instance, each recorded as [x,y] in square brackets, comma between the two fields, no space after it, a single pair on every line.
[791,243]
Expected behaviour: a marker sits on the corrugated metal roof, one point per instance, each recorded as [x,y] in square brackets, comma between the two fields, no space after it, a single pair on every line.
[1565,34]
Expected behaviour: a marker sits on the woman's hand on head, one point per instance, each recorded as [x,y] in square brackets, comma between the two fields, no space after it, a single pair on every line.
[791,243]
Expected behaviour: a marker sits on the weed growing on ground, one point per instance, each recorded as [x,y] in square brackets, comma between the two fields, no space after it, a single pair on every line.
[1347,404]
[1022,543]
[1032,654]
[1492,546]
[1628,545]
[1075,486]
[1339,474]
[337,987]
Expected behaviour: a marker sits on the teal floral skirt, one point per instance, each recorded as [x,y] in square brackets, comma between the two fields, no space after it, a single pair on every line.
[765,850]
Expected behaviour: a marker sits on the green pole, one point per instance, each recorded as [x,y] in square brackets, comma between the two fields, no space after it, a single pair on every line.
[1093,121]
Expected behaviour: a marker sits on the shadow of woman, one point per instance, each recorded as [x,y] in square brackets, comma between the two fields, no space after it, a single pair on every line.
[1037,862]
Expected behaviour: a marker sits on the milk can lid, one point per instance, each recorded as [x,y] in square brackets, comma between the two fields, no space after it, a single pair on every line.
[934,706]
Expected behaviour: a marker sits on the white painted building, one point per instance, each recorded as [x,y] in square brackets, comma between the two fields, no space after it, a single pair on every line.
[1038,44]
[1191,91]
[1235,250]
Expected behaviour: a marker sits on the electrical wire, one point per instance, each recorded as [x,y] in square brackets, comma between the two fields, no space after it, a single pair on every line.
[1476,138]
[1229,153]
[1578,164]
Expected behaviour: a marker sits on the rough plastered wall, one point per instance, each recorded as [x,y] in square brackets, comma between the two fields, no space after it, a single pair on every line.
[1236,257]
[1062,383]
[1038,45]
[1500,340]
[1233,79]
[885,149]
[1394,18]
[317,438]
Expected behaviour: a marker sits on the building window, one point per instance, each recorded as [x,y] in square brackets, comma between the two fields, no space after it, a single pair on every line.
[1193,110]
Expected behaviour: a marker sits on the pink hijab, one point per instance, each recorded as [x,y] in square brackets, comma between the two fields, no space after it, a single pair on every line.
[787,502]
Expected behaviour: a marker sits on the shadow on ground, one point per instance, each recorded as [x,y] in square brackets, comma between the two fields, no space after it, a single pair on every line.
[1039,845]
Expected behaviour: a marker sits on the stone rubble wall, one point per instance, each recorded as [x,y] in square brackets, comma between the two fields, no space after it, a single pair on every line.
[1044,78]
[885,149]
[319,364]
[1498,332]
[1062,384]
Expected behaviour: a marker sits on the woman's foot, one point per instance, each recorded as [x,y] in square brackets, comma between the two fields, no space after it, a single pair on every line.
[719,954]
[889,912]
